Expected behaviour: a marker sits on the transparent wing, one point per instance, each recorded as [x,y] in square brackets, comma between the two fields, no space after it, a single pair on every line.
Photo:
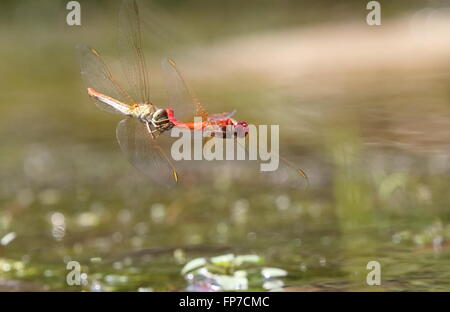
[181,98]
[131,52]
[144,153]
[221,116]
[98,76]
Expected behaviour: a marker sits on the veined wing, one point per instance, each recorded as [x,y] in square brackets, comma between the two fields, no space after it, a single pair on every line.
[181,98]
[144,153]
[132,56]
[98,76]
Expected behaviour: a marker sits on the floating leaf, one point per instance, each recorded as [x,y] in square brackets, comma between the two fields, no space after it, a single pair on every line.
[273,284]
[193,265]
[8,238]
[249,259]
[234,282]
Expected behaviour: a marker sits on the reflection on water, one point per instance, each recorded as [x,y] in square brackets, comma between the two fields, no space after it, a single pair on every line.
[231,273]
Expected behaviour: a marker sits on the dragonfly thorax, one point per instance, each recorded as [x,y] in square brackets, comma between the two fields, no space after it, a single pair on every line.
[157,120]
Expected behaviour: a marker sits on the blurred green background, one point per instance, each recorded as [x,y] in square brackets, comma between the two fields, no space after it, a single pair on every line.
[364,110]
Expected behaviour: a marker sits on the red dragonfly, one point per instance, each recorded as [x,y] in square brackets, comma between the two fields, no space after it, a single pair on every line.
[180,94]
[139,134]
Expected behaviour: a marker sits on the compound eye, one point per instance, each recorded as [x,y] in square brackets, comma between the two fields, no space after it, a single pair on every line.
[241,129]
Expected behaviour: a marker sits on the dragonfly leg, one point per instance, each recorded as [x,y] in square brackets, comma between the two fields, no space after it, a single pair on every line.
[149,129]
[160,121]
[156,132]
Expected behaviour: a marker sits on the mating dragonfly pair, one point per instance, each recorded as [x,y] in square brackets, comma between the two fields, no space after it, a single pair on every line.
[139,134]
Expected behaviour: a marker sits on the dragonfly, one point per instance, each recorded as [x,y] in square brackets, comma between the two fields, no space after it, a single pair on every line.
[140,134]
[219,125]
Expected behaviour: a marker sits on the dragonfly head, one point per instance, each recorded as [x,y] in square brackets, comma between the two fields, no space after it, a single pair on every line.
[241,129]
[160,115]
